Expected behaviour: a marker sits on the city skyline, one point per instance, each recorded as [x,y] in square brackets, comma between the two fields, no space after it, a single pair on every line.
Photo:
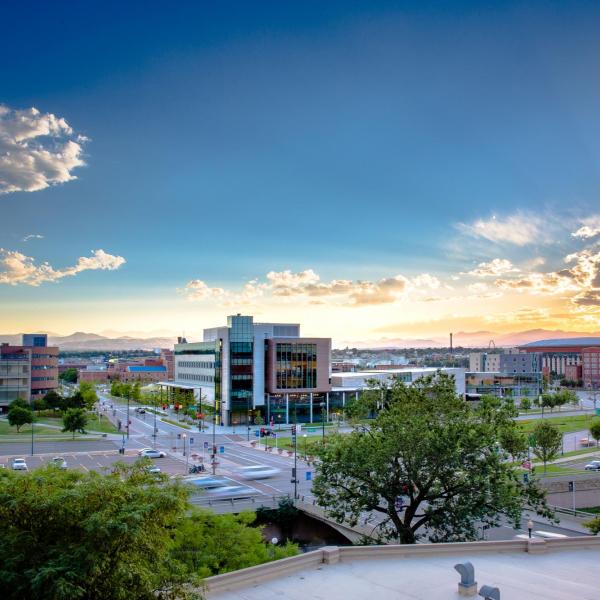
[371,171]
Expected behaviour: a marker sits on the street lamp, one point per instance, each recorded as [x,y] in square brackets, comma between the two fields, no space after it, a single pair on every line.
[128,397]
[322,405]
[305,448]
[184,436]
[529,527]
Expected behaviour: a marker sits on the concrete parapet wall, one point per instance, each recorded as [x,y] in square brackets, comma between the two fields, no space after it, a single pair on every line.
[330,555]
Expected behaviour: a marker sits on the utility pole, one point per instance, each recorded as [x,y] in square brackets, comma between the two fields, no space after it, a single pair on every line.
[214,442]
[155,410]
[128,398]
[295,470]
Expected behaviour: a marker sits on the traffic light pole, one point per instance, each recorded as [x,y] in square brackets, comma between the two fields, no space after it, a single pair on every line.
[294,433]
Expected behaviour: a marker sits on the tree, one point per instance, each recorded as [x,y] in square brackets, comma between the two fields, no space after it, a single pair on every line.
[74,420]
[53,400]
[593,525]
[549,401]
[74,401]
[71,535]
[39,404]
[547,441]
[19,402]
[88,394]
[563,397]
[209,544]
[136,391]
[525,404]
[19,416]
[428,460]
[595,430]
[69,375]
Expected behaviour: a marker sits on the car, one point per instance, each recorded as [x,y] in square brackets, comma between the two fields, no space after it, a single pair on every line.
[153,469]
[231,492]
[150,453]
[549,534]
[257,472]
[19,464]
[207,483]
[140,410]
[593,466]
[60,462]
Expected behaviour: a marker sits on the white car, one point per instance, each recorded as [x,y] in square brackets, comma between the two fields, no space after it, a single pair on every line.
[229,492]
[150,453]
[60,462]
[19,464]
[257,472]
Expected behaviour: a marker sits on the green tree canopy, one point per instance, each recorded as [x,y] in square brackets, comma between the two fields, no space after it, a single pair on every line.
[547,441]
[428,460]
[19,416]
[68,535]
[595,429]
[69,375]
[209,544]
[53,399]
[88,394]
[74,420]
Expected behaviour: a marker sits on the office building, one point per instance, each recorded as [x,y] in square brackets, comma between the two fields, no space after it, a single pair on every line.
[503,385]
[237,367]
[484,361]
[27,371]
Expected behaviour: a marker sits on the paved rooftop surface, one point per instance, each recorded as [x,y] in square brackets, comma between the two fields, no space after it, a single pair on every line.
[558,575]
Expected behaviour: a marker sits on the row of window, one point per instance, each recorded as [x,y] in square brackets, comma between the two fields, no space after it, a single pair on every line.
[195,377]
[196,364]
[43,378]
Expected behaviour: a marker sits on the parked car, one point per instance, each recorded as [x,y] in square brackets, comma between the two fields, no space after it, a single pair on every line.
[60,462]
[150,453]
[153,469]
[19,464]
[593,466]
[257,472]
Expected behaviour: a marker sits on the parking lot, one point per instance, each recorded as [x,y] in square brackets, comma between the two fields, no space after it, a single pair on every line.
[100,461]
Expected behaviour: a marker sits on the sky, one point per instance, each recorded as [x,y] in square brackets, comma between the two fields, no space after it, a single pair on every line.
[373,170]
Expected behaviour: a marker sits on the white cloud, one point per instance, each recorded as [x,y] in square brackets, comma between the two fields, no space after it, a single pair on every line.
[494,268]
[18,269]
[590,228]
[308,284]
[33,236]
[36,150]
[519,229]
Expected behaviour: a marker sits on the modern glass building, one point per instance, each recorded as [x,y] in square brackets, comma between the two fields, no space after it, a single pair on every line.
[236,367]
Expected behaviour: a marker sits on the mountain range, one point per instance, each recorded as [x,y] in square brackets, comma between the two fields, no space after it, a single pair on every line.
[475,339]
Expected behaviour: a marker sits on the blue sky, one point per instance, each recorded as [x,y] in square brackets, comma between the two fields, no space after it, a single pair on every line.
[360,140]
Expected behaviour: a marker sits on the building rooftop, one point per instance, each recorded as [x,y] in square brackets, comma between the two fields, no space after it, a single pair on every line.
[561,569]
[147,369]
[566,342]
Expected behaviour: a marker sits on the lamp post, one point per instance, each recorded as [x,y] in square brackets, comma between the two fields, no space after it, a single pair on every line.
[248,418]
[154,430]
[305,452]
[322,405]
[529,527]
[128,398]
[214,442]
[184,436]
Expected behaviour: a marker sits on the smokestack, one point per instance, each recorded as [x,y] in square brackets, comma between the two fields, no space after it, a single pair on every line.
[450,343]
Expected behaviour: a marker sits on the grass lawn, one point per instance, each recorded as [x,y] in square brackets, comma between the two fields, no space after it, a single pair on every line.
[564,424]
[94,424]
[555,471]
[9,434]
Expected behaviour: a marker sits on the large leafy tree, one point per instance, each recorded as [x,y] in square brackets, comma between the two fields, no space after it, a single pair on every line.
[68,535]
[209,544]
[595,430]
[74,420]
[428,465]
[53,399]
[19,416]
[69,375]
[88,394]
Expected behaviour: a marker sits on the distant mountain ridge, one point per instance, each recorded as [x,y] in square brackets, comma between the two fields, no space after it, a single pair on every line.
[475,339]
[92,341]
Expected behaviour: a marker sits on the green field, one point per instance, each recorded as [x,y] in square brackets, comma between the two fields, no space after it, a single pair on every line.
[102,425]
[564,424]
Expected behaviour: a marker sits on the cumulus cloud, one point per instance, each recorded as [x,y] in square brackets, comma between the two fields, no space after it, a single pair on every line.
[308,284]
[581,276]
[33,236]
[37,150]
[590,227]
[519,229]
[494,268]
[18,269]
